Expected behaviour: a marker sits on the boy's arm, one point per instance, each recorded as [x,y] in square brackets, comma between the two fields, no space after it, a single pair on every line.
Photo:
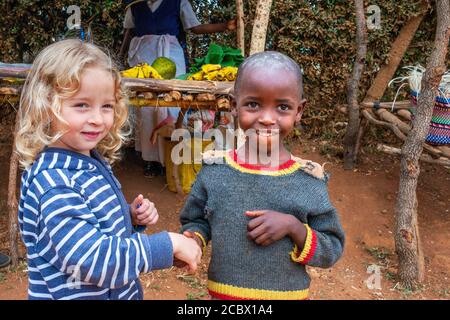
[324,241]
[71,239]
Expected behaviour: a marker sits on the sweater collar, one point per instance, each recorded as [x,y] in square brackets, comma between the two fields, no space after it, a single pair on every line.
[286,168]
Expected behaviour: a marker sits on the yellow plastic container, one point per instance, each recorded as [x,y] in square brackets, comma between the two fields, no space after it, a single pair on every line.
[187,172]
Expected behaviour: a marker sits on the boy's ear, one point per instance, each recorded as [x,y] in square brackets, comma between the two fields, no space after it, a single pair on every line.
[300,109]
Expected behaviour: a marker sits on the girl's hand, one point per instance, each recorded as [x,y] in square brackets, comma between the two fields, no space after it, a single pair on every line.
[267,226]
[186,252]
[143,212]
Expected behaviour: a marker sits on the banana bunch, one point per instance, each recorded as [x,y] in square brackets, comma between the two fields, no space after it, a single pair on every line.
[141,70]
[214,72]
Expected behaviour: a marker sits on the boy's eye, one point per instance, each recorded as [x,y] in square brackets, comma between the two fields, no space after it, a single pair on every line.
[284,107]
[252,105]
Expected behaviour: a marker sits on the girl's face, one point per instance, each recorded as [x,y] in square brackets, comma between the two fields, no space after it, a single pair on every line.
[89,113]
[268,103]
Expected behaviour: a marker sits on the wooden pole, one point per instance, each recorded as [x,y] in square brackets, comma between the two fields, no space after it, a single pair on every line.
[424,157]
[407,238]
[396,53]
[351,136]
[213,87]
[240,34]
[12,200]
[398,49]
[259,32]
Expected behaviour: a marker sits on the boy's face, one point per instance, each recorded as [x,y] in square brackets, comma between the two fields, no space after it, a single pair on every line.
[269,102]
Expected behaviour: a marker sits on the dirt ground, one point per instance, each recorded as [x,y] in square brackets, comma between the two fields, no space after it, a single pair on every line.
[365,199]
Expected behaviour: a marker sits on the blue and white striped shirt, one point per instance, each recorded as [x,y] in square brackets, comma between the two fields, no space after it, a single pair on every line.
[76,226]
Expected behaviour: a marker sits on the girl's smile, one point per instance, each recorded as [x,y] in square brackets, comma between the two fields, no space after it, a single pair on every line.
[89,114]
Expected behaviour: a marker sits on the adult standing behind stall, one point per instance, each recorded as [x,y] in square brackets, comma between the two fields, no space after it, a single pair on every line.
[156,28]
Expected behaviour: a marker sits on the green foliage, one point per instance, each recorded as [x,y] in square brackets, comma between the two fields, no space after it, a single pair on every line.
[27,26]
[318,34]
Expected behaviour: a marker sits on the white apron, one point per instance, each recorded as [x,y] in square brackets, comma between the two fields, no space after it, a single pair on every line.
[146,49]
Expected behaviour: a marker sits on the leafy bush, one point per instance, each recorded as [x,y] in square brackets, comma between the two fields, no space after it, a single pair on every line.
[319,35]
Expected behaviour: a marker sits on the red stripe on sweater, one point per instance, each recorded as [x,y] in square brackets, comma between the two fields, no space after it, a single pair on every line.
[313,247]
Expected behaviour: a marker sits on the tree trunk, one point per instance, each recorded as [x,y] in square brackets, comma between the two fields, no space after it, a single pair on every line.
[240,33]
[12,201]
[398,49]
[407,240]
[351,136]
[387,71]
[260,24]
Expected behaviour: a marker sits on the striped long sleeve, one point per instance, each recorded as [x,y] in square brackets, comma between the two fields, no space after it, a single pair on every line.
[70,239]
[76,226]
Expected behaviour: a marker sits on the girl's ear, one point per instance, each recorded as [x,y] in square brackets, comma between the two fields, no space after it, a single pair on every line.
[300,109]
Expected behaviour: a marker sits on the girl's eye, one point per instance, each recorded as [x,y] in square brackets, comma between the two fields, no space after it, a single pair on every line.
[108,106]
[252,105]
[81,105]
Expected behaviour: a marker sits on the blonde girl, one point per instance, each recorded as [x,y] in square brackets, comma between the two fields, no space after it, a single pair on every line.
[80,234]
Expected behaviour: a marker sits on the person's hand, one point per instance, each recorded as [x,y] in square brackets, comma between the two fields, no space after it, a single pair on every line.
[186,251]
[232,25]
[143,212]
[192,235]
[180,264]
[267,226]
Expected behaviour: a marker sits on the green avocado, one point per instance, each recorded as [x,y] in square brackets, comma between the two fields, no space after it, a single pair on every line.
[165,67]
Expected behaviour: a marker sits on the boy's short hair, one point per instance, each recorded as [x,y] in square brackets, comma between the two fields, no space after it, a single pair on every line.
[54,76]
[269,60]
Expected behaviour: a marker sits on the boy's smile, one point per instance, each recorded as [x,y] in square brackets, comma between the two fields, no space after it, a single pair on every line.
[268,104]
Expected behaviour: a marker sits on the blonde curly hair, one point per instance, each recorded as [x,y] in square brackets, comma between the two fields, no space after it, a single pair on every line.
[54,76]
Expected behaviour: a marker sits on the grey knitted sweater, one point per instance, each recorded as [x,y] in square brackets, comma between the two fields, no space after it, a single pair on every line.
[239,268]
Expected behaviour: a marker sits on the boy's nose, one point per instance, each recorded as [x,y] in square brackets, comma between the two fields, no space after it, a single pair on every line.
[266,118]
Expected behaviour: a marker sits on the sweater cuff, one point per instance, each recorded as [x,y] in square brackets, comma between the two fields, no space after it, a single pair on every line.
[198,234]
[161,250]
[309,248]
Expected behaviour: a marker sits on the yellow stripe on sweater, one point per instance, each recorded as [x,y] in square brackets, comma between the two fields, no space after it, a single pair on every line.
[256,294]
[306,249]
[295,166]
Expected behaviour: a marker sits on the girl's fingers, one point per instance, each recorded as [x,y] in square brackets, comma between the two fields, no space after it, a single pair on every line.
[153,220]
[138,201]
[145,206]
[188,234]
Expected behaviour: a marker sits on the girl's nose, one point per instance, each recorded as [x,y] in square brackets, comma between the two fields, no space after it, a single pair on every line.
[96,117]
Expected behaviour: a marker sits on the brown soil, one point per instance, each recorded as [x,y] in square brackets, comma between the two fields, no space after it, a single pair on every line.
[365,199]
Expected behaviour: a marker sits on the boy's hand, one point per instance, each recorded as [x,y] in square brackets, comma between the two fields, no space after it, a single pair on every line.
[143,212]
[267,226]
